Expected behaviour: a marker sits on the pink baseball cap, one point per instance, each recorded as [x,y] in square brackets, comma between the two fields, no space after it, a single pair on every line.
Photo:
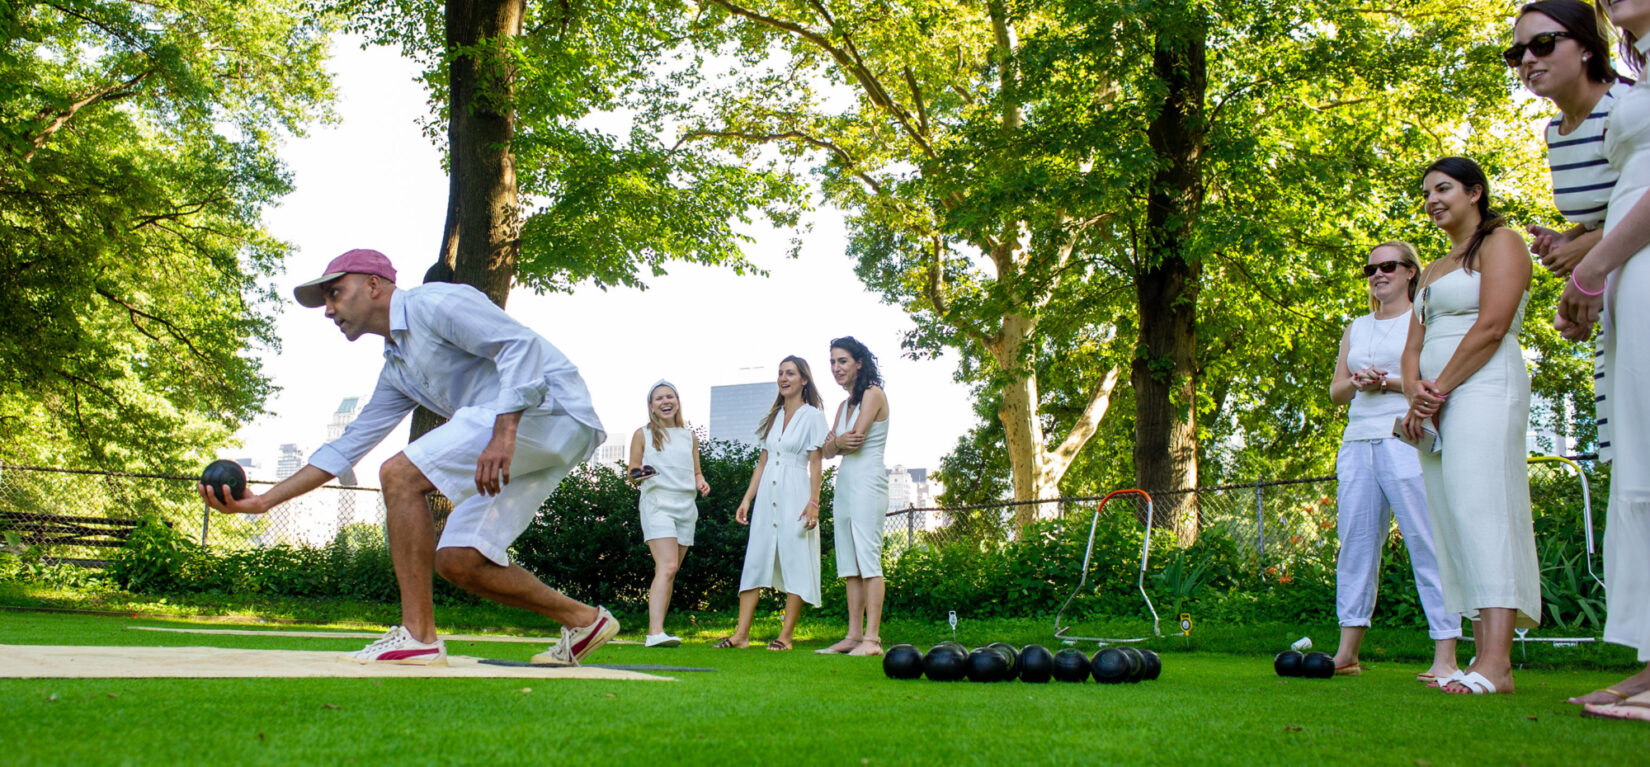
[358,261]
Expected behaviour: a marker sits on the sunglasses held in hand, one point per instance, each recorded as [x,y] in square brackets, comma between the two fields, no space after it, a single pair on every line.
[1541,45]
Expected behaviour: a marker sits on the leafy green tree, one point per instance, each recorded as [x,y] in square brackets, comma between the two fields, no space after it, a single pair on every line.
[1073,193]
[137,151]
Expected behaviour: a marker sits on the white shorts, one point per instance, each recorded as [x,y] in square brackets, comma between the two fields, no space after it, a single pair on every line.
[669,514]
[547,449]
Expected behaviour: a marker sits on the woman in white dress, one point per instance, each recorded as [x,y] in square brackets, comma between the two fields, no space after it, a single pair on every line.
[664,461]
[1610,287]
[1380,476]
[782,506]
[859,434]
[1465,377]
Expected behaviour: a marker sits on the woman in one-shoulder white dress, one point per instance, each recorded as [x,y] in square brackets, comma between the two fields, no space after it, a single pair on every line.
[1611,286]
[782,506]
[860,504]
[664,461]
[1465,376]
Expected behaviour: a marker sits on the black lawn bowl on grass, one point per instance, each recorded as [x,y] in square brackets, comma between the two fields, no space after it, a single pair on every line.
[1071,665]
[1036,664]
[1317,665]
[220,473]
[944,663]
[1154,666]
[902,661]
[1137,664]
[987,664]
[1288,663]
[1012,655]
[1110,666]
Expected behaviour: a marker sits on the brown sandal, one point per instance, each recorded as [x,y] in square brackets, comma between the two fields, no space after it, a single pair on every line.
[727,644]
[778,645]
[872,653]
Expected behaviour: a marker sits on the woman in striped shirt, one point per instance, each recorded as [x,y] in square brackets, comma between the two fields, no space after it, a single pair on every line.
[1560,54]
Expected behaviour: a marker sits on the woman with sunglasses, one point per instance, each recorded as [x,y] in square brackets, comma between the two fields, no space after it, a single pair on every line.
[1469,410]
[1609,287]
[1379,476]
[1560,54]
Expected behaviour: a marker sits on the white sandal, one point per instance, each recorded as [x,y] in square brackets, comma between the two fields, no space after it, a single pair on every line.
[1475,683]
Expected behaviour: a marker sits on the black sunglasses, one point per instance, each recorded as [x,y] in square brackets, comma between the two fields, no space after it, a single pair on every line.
[1541,45]
[1386,267]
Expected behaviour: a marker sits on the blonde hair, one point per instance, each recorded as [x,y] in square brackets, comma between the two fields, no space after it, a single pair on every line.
[1406,256]
[655,425]
[810,395]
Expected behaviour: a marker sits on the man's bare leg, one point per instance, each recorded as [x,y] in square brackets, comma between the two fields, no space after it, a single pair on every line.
[474,572]
[412,542]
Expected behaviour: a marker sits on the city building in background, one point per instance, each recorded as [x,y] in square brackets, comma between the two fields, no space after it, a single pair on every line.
[290,461]
[612,451]
[908,489]
[735,410]
[348,409]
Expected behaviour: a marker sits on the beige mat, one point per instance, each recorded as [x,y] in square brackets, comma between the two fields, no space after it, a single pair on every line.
[59,662]
[361,635]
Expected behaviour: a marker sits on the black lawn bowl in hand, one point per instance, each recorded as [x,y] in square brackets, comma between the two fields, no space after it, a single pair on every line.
[1111,666]
[1154,666]
[1317,665]
[1012,655]
[902,661]
[1288,663]
[220,473]
[1036,664]
[1137,664]
[987,665]
[1071,665]
[944,664]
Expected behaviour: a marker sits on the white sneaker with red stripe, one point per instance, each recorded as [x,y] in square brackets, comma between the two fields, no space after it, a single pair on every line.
[398,646]
[578,643]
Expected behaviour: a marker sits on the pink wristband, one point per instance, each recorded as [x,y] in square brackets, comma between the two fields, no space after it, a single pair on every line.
[1584,291]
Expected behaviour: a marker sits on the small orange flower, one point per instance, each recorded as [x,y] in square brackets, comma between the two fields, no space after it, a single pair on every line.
[1286,579]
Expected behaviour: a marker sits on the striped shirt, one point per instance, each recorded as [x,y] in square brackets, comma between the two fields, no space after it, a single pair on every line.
[1582,177]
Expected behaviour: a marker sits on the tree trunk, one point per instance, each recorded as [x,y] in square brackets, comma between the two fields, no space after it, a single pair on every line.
[481,238]
[483,123]
[1030,472]
[1164,371]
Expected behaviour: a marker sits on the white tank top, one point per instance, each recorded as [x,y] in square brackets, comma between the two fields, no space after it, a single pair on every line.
[1375,343]
[674,462]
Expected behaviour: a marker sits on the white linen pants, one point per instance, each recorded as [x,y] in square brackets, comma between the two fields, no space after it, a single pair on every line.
[1377,479]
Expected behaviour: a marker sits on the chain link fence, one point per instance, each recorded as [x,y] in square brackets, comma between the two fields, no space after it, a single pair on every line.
[1275,519]
[80,515]
[83,516]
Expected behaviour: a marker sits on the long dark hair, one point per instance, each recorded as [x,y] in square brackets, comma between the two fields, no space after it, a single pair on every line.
[810,395]
[1581,21]
[1629,42]
[868,375]
[1469,175]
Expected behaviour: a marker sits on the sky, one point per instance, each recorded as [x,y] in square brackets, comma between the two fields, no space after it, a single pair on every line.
[374,181]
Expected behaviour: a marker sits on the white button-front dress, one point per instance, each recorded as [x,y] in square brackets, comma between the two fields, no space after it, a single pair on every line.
[782,554]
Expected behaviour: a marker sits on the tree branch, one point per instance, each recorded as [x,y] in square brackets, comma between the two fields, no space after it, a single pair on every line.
[112,92]
[1089,421]
[791,135]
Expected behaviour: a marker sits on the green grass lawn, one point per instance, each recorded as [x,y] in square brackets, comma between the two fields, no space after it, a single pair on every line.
[785,708]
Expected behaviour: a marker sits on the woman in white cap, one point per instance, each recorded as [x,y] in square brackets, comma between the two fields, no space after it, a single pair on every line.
[664,461]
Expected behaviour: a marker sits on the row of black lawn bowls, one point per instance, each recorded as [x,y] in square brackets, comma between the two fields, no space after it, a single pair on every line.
[1313,665]
[999,662]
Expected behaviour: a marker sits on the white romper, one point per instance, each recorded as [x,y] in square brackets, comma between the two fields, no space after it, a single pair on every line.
[667,506]
[782,554]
